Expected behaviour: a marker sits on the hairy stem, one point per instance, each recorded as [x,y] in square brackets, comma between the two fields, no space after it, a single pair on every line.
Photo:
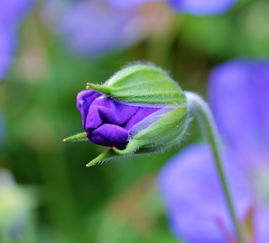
[202,112]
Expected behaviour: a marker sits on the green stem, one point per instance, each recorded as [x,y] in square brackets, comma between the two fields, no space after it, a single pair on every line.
[202,112]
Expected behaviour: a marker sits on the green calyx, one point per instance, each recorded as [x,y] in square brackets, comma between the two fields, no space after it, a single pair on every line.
[142,83]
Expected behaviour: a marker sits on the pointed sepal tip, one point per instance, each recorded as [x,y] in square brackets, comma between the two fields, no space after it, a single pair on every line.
[76,138]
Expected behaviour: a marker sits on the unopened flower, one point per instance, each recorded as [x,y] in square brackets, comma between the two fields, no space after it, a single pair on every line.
[140,109]
[191,190]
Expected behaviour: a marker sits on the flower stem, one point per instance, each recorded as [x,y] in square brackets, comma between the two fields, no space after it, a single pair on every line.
[202,112]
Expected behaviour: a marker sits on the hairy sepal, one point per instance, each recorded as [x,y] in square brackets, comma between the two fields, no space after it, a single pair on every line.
[160,135]
[79,137]
[142,83]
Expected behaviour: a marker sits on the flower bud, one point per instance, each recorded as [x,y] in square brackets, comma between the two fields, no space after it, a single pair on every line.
[140,109]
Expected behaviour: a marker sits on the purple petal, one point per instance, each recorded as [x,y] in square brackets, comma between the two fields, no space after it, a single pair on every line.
[106,110]
[261,223]
[107,121]
[11,13]
[194,198]
[203,7]
[128,3]
[140,115]
[92,28]
[109,135]
[7,49]
[239,98]
[84,100]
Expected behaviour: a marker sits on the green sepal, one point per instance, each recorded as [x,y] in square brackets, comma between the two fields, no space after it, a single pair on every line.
[142,83]
[132,147]
[79,137]
[160,135]
[103,157]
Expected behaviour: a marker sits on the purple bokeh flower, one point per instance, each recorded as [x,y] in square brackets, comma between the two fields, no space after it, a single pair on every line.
[191,190]
[106,121]
[202,7]
[195,7]
[194,197]
[129,3]
[239,98]
[11,13]
[92,28]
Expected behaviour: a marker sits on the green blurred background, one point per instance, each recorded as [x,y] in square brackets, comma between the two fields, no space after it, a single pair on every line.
[117,202]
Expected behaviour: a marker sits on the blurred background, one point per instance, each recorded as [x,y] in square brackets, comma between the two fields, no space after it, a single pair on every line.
[48,51]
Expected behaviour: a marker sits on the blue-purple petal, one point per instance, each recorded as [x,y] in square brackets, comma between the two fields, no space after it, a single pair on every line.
[7,49]
[128,3]
[109,135]
[203,7]
[140,115]
[194,199]
[239,99]
[84,100]
[195,7]
[11,13]
[106,110]
[260,223]
[92,28]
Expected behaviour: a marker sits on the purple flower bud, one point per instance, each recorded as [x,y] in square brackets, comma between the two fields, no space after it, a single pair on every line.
[107,121]
[140,109]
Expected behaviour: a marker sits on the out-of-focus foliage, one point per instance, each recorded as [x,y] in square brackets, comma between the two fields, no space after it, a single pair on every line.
[116,202]
[16,210]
